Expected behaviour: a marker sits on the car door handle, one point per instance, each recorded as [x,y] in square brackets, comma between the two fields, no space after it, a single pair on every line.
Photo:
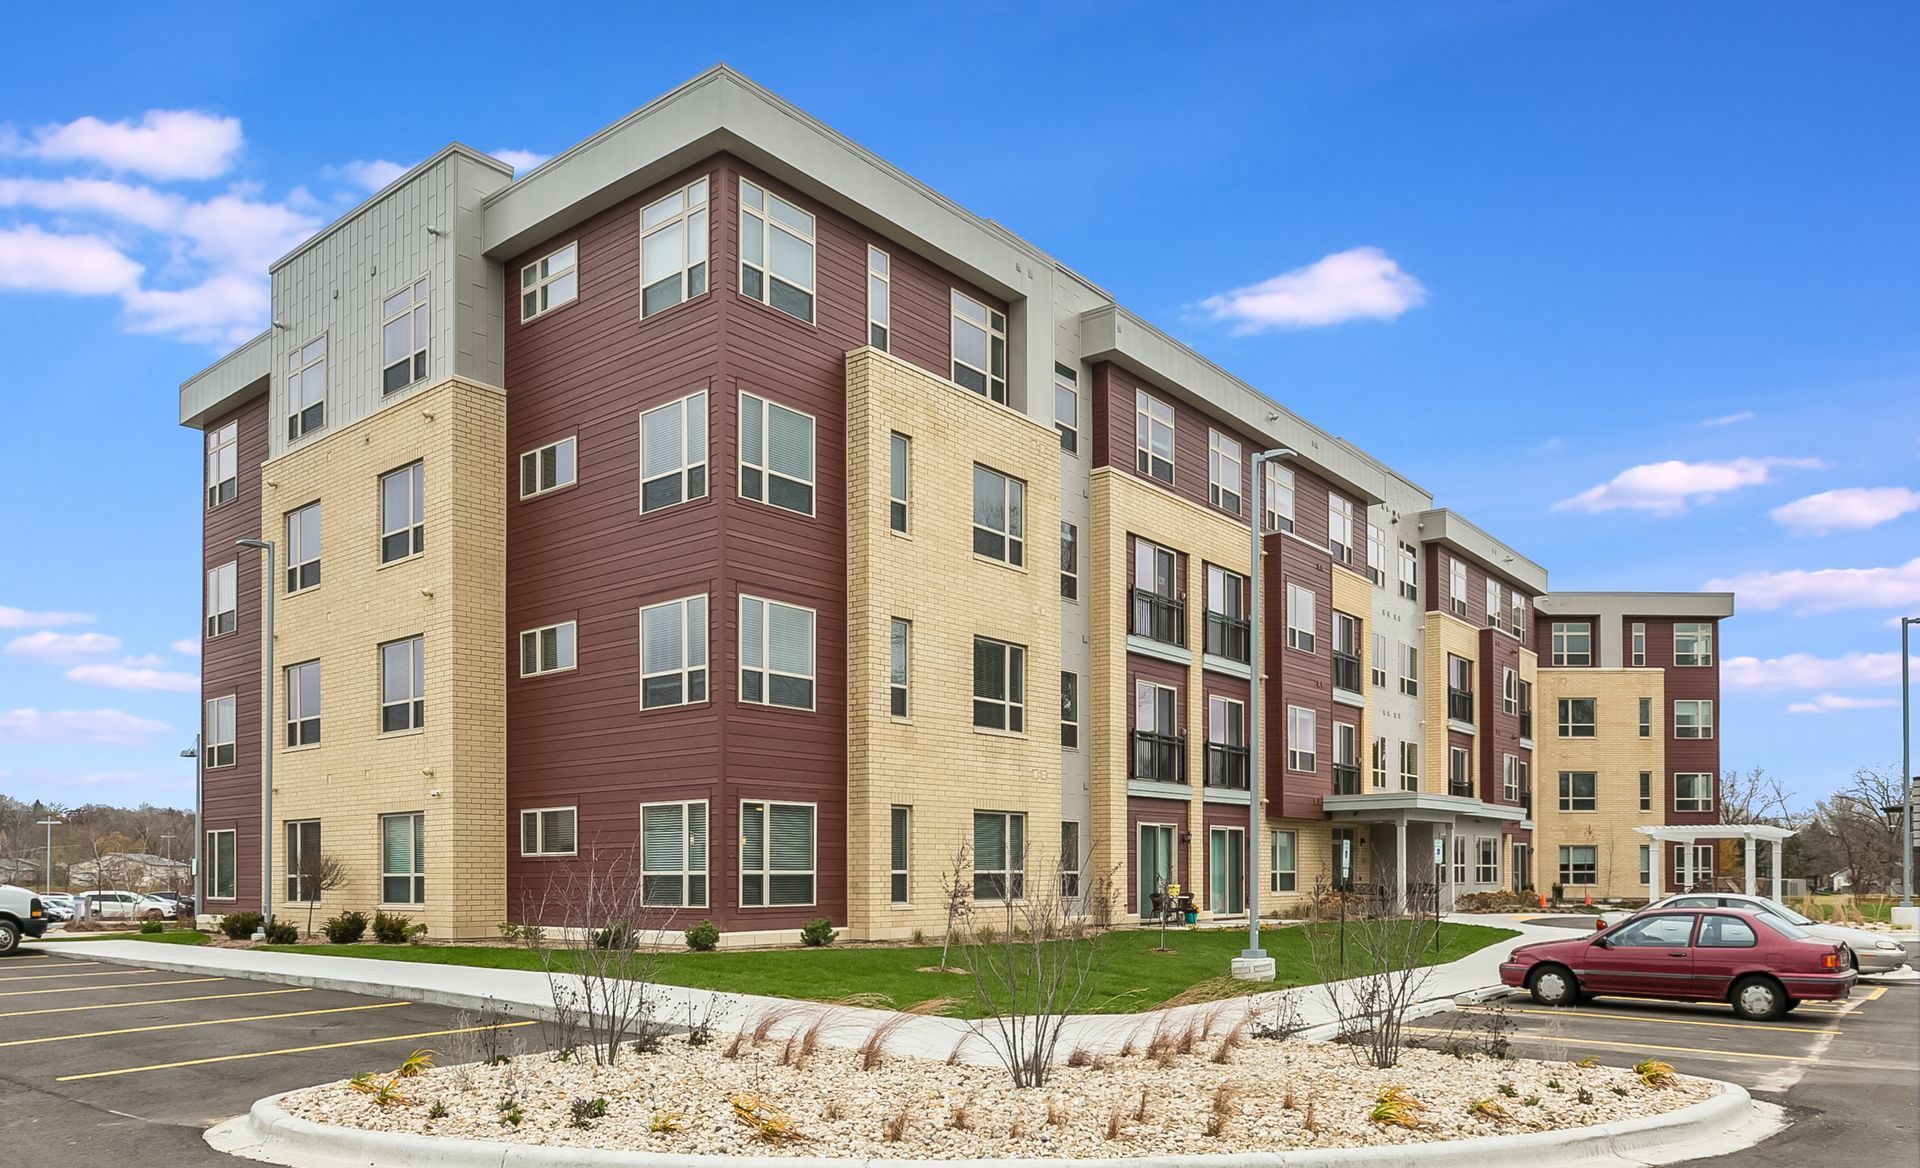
[1676,955]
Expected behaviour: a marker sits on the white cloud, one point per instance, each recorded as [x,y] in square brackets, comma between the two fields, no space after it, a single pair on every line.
[1846,509]
[521,160]
[65,726]
[221,309]
[163,144]
[185,646]
[99,777]
[1825,589]
[60,648]
[20,618]
[1666,488]
[1360,283]
[1727,419]
[135,675]
[1806,671]
[369,173]
[32,260]
[1832,703]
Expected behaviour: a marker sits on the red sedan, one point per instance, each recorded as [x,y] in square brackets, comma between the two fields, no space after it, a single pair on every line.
[1761,965]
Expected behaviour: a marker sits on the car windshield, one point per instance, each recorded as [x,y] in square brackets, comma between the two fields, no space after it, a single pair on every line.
[1785,913]
[1785,928]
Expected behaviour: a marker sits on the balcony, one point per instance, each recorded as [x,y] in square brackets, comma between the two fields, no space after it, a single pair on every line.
[1228,638]
[1346,672]
[1346,778]
[1158,618]
[1526,724]
[1159,758]
[1227,767]
[1460,705]
[1460,788]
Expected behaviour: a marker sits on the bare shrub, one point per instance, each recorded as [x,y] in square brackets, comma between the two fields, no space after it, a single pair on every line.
[1231,1041]
[957,882]
[833,1110]
[960,1116]
[896,1125]
[1116,1122]
[1372,962]
[1057,1111]
[1221,1107]
[1282,1021]
[1286,1097]
[1140,1107]
[873,1049]
[1307,1119]
[317,874]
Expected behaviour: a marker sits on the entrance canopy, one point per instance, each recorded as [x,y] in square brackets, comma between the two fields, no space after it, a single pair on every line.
[1690,834]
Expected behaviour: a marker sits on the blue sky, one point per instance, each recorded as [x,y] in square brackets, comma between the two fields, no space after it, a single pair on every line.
[1631,286]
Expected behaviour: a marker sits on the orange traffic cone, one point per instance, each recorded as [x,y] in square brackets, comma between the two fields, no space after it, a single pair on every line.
[1543,900]
[1589,899]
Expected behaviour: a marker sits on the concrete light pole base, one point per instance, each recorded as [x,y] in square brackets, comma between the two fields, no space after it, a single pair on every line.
[1906,918]
[1252,969]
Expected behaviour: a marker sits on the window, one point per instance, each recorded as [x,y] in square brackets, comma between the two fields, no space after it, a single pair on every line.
[776,455]
[899,824]
[1346,652]
[1519,602]
[673,653]
[1662,932]
[1227,628]
[1282,866]
[1299,618]
[1377,667]
[776,653]
[1719,932]
[1069,561]
[1159,609]
[1693,644]
[1510,778]
[219,730]
[673,853]
[673,453]
[1646,790]
[1526,711]
[999,516]
[221,864]
[1340,527]
[1300,739]
[1572,643]
[1409,669]
[1459,690]
[899,478]
[1577,791]
[999,685]
[899,635]
[1070,710]
[1457,586]
[673,249]
[1509,691]
[776,854]
[548,831]
[1693,719]
[1576,717]
[1223,471]
[776,252]
[303,703]
[222,612]
[1486,860]
[403,859]
[1066,407]
[1409,766]
[1409,572]
[979,347]
[1459,772]
[1153,437]
[1524,783]
[1638,639]
[1459,859]
[548,650]
[303,548]
[1577,865]
[1646,861]
[222,463]
[403,529]
[1069,859]
[403,337]
[307,389]
[1646,717]
[1493,604]
[403,685]
[879,297]
[554,466]
[548,283]
[999,855]
[1693,792]
[1376,556]
[1379,764]
[1279,502]
[1158,748]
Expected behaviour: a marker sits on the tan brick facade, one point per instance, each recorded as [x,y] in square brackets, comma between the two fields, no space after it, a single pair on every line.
[1447,635]
[1617,755]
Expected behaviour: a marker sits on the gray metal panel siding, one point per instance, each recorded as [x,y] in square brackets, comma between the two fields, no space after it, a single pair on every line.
[479,285]
[224,384]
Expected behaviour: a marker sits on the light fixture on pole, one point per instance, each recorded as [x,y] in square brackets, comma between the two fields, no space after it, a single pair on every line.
[266,742]
[1253,964]
[49,823]
[193,752]
[1906,770]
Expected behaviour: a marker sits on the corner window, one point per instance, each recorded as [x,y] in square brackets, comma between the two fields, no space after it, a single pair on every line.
[549,831]
[1279,501]
[307,389]
[403,685]
[999,516]
[776,455]
[1070,711]
[776,654]
[673,453]
[1340,528]
[1693,719]
[403,338]
[999,855]
[999,685]
[899,837]
[1693,792]
[1409,572]
[222,613]
[303,703]
[1572,643]
[303,861]
[549,468]
[899,643]
[1519,615]
[303,548]
[548,283]
[979,347]
[673,854]
[221,864]
[1300,618]
[776,252]
[403,529]
[1301,752]
[403,859]
[1577,791]
[776,854]
[1153,436]
[1376,556]
[1577,717]
[1457,586]
[223,446]
[548,650]
[218,748]
[1693,644]
[673,653]
[1223,472]
[673,248]
[1066,407]
[899,480]
[1282,872]
[1069,561]
[879,298]
[1493,604]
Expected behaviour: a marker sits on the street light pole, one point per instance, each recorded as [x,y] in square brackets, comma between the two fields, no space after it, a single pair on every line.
[199,797]
[1253,964]
[49,823]
[1906,765]
[266,742]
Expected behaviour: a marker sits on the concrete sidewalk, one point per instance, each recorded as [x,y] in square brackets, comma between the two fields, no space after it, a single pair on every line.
[528,994]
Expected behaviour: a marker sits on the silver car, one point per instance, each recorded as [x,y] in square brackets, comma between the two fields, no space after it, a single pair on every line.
[1872,952]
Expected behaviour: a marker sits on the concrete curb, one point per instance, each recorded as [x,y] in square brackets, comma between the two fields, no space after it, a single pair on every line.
[1728,1122]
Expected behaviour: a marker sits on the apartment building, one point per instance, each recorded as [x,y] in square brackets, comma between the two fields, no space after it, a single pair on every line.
[688,498]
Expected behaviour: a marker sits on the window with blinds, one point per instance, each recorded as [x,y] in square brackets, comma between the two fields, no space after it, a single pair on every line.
[673,853]
[776,854]
[549,468]
[900,453]
[403,685]
[548,650]
[673,653]
[999,855]
[549,831]
[899,636]
[221,864]
[673,248]
[303,548]
[999,516]
[776,653]
[999,685]
[673,453]
[303,704]
[303,861]
[776,252]
[403,859]
[403,529]
[776,455]
[900,822]
[222,599]
[219,729]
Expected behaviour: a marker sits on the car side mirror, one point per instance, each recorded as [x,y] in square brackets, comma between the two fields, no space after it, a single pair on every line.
[1602,943]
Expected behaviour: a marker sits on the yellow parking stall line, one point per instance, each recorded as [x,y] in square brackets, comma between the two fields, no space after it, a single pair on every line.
[1563,1013]
[205,1022]
[1571,1042]
[118,985]
[254,1054]
[98,973]
[46,961]
[153,1002]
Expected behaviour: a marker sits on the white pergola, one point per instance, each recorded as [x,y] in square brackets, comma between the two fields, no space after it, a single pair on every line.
[1689,834]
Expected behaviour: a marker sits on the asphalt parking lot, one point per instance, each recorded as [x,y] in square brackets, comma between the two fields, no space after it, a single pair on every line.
[105,1064]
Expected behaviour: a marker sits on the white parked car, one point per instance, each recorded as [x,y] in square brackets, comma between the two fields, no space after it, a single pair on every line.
[112,906]
[1872,952]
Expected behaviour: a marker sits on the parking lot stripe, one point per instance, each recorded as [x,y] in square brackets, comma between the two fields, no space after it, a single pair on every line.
[1617,1016]
[42,962]
[99,973]
[1567,1040]
[153,1002]
[254,1054]
[203,1022]
[118,985]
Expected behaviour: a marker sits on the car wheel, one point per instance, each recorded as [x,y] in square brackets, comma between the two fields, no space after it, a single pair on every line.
[1853,959]
[9,937]
[1554,985]
[1758,999]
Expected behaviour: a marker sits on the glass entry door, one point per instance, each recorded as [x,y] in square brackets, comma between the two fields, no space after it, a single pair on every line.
[1155,862]
[1226,864]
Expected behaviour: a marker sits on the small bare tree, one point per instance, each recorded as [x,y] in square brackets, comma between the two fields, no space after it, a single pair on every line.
[320,873]
[1372,962]
[958,882]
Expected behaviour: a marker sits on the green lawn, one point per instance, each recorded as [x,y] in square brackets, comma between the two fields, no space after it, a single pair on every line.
[171,937]
[1132,977]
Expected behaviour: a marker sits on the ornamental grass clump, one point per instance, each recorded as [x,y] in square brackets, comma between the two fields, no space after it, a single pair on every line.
[1655,1073]
[1394,1107]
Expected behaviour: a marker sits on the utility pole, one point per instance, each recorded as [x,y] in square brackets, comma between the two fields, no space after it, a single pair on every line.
[1253,964]
[266,742]
[49,823]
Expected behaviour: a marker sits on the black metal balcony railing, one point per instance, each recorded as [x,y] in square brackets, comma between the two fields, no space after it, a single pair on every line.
[1227,766]
[1158,618]
[1159,758]
[1227,637]
[1346,672]
[1526,803]
[1459,787]
[1460,705]
[1346,778]
[1526,724]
